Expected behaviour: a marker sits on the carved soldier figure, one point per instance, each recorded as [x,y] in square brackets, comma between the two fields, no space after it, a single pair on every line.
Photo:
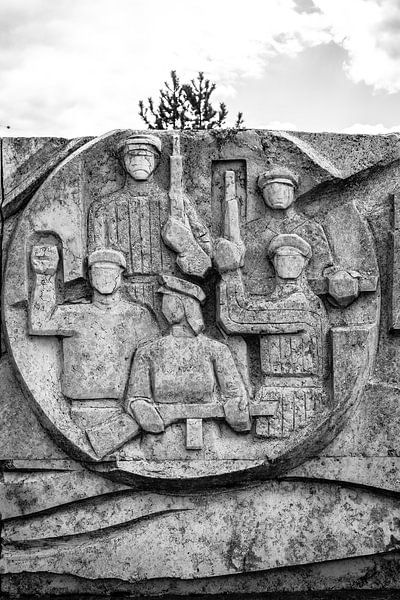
[99,338]
[131,220]
[292,325]
[278,187]
[185,367]
[293,354]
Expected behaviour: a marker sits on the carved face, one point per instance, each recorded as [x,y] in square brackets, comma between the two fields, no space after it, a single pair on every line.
[105,277]
[289,263]
[172,308]
[278,196]
[139,162]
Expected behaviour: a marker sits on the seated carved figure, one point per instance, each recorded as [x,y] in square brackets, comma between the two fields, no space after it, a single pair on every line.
[291,324]
[293,353]
[99,338]
[184,367]
[278,187]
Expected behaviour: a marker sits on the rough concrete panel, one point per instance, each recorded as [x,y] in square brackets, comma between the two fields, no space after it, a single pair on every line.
[199,383]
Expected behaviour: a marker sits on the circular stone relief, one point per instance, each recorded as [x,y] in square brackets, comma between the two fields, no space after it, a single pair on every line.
[118,348]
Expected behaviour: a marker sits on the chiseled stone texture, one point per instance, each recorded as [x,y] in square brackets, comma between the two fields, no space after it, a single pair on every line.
[199,390]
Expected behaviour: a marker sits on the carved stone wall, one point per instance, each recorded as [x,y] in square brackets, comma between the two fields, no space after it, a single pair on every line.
[199,385]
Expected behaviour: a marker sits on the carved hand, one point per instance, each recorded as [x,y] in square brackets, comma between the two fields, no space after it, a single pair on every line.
[192,259]
[228,255]
[177,235]
[237,414]
[44,259]
[343,287]
[145,414]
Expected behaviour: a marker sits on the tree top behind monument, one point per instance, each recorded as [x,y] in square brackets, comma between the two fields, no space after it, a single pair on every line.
[186,106]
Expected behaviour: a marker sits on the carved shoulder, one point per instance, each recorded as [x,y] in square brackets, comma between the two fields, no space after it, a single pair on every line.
[216,348]
[142,322]
[98,205]
[254,227]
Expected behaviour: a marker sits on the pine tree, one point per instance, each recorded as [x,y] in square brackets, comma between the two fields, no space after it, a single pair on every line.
[171,110]
[186,106]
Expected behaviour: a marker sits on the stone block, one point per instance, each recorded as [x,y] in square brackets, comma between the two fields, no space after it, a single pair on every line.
[199,389]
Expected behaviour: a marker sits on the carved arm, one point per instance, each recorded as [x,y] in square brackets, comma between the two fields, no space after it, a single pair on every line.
[232,389]
[229,250]
[139,398]
[177,232]
[45,316]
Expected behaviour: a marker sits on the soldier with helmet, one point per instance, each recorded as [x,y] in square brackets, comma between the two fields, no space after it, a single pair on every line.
[99,338]
[278,187]
[292,326]
[184,367]
[132,218]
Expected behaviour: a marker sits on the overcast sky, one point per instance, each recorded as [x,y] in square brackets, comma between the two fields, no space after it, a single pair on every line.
[79,67]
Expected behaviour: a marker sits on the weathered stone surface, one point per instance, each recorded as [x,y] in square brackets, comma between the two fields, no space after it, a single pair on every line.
[185,316]
[27,162]
[194,536]
[355,579]
[25,493]
[22,437]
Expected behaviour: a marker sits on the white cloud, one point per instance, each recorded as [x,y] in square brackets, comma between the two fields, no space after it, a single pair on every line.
[369,30]
[371,129]
[78,67]
[75,67]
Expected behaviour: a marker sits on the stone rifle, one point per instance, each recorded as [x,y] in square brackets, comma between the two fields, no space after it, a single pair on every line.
[110,435]
[177,208]
[177,232]
[231,208]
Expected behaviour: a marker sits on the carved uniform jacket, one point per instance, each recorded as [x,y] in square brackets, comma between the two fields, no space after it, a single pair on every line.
[296,354]
[130,220]
[291,322]
[98,345]
[258,271]
[184,370]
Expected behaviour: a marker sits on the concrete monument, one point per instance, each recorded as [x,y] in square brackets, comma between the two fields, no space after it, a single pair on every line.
[199,367]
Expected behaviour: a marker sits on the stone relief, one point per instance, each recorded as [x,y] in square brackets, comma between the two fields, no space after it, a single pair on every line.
[211,431]
[177,375]
[99,338]
[144,222]
[278,187]
[107,296]
[292,327]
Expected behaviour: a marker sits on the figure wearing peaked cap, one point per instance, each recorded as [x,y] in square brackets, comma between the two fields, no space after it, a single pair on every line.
[278,187]
[184,367]
[289,255]
[131,219]
[278,175]
[339,276]
[289,243]
[99,338]
[292,326]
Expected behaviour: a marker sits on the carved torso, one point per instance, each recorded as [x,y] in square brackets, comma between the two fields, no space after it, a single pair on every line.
[258,272]
[97,352]
[183,370]
[130,220]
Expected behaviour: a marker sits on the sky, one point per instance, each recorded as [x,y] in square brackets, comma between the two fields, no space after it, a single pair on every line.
[79,67]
